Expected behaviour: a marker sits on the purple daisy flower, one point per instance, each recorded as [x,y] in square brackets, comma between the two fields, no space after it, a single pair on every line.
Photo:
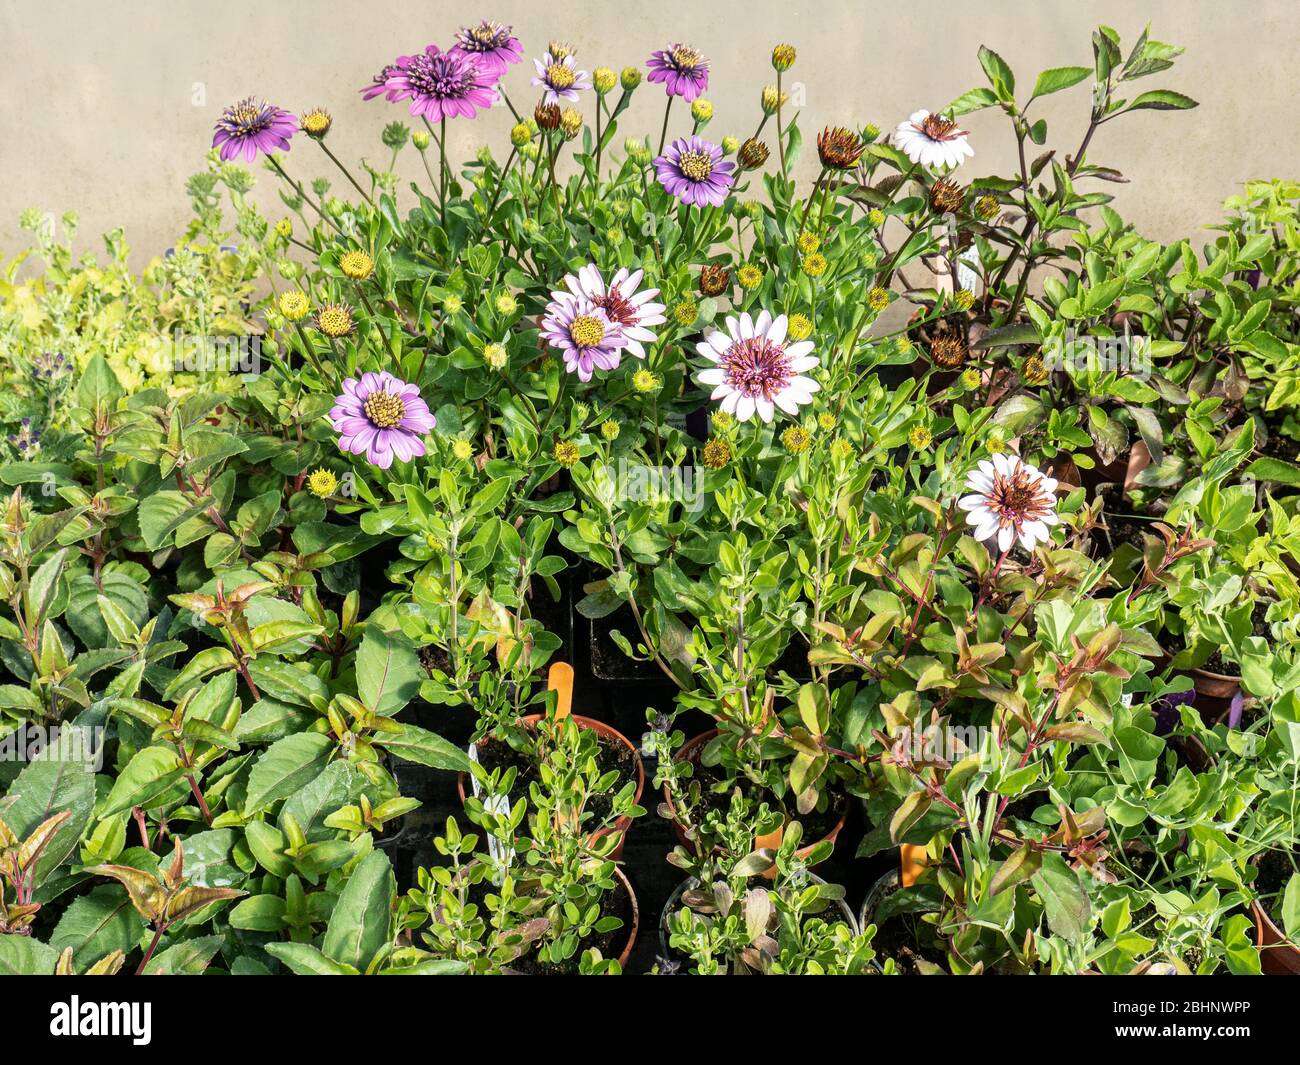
[682,69]
[252,126]
[587,335]
[559,78]
[379,84]
[442,84]
[692,170]
[380,416]
[493,43]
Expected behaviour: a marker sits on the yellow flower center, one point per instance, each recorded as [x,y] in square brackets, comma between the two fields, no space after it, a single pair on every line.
[335,321]
[384,410]
[685,58]
[356,265]
[322,483]
[316,122]
[696,165]
[587,331]
[559,76]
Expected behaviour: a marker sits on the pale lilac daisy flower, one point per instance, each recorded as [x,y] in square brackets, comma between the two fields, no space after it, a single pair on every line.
[588,337]
[380,416]
[755,370]
[932,140]
[1010,499]
[627,308]
[252,126]
[693,170]
[494,44]
[683,71]
[442,84]
[559,78]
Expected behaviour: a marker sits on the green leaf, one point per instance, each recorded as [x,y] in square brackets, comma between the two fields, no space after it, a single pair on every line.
[999,74]
[1058,78]
[26,956]
[1274,470]
[1065,902]
[362,917]
[424,747]
[60,778]
[306,960]
[284,767]
[388,671]
[1291,907]
[189,958]
[99,389]
[97,924]
[1162,100]
[147,778]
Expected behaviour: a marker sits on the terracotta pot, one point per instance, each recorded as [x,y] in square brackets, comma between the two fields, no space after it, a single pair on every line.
[674,903]
[601,729]
[1214,694]
[1123,470]
[634,924]
[1278,956]
[689,752]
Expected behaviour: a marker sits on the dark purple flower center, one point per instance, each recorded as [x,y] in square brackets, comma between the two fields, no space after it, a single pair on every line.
[443,76]
[487,36]
[757,367]
[247,118]
[384,410]
[617,307]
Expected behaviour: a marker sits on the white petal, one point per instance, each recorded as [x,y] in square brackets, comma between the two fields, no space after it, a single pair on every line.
[711,377]
[745,408]
[1006,536]
[765,410]
[970,502]
[729,402]
[746,326]
[776,331]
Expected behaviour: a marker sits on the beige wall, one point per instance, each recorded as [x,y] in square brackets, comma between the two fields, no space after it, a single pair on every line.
[99,111]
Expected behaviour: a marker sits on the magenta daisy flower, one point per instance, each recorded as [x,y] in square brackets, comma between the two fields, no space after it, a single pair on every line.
[442,84]
[559,78]
[252,126]
[682,69]
[379,84]
[493,43]
[589,338]
[692,169]
[380,416]
[755,370]
[627,308]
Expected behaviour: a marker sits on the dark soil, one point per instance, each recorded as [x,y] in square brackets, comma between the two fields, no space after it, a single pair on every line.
[817,824]
[897,937]
[1275,869]
[497,754]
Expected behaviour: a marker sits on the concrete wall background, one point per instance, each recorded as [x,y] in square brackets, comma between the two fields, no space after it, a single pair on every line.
[107,107]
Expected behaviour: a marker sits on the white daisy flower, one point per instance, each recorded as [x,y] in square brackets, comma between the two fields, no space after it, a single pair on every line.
[620,300]
[559,78]
[756,370]
[1010,499]
[932,140]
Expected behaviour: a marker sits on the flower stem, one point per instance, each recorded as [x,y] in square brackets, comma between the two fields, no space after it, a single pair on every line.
[663,134]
